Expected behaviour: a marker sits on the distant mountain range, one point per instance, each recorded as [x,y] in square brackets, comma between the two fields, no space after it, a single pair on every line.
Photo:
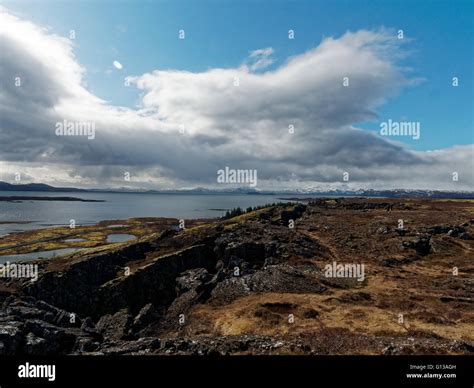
[398,193]
[4,186]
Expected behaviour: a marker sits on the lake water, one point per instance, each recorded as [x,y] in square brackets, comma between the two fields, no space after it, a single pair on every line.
[37,255]
[117,206]
[115,238]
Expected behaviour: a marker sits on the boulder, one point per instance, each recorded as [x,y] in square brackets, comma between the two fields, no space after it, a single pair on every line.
[116,326]
[423,245]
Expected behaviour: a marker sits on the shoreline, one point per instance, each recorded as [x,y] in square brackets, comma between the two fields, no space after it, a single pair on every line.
[21,198]
[95,235]
[87,236]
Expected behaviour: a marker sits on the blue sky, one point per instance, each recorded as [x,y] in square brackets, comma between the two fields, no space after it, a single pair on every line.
[143,37]
[183,116]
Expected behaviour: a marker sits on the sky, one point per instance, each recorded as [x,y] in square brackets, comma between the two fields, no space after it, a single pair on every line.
[167,111]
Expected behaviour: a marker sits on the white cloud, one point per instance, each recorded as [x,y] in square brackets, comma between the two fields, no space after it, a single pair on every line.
[260,58]
[243,126]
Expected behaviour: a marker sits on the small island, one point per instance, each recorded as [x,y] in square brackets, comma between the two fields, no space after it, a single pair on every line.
[20,198]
